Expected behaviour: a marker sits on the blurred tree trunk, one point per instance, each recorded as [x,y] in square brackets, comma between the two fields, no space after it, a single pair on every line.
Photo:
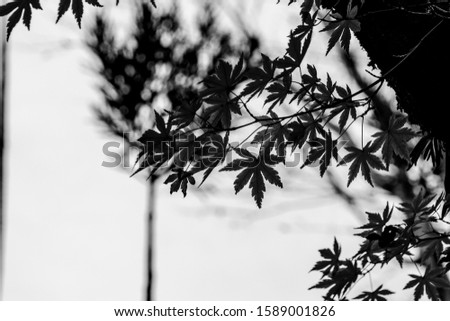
[128,71]
[150,237]
[2,143]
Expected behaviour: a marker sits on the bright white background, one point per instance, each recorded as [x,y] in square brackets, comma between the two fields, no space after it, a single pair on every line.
[76,230]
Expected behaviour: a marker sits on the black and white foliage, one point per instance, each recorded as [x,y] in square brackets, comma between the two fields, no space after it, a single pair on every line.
[193,138]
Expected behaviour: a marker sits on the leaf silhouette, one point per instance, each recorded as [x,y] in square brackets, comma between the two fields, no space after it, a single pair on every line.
[297,134]
[340,281]
[308,4]
[341,28]
[180,180]
[224,80]
[331,260]
[22,9]
[429,147]
[278,91]
[310,82]
[152,2]
[346,109]
[420,205]
[294,55]
[394,139]
[362,160]
[377,295]
[431,281]
[274,136]
[185,113]
[323,151]
[212,154]
[305,29]
[259,78]
[155,145]
[220,111]
[6,9]
[77,8]
[377,221]
[254,170]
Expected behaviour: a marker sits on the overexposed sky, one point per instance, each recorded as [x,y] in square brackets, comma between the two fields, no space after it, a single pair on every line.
[76,230]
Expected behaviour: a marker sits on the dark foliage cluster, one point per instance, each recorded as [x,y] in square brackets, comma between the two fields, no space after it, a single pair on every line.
[23,9]
[197,143]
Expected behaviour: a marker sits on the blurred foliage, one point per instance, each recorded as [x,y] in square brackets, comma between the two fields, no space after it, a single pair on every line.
[158,64]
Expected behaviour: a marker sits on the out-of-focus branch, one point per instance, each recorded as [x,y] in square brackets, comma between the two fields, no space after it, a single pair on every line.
[3,76]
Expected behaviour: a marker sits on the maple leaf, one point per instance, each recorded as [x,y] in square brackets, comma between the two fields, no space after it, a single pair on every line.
[341,28]
[324,92]
[377,221]
[313,126]
[77,8]
[331,260]
[385,239]
[184,148]
[445,257]
[431,281]
[259,78]
[180,180]
[94,3]
[185,113]
[310,82]
[278,91]
[303,128]
[305,29]
[340,281]
[153,2]
[155,146]
[419,206]
[308,4]
[255,169]
[220,111]
[430,147]
[311,77]
[211,154]
[22,9]
[297,134]
[322,150]
[394,139]
[377,295]
[346,109]
[224,80]
[430,249]
[294,55]
[273,137]
[362,160]
[290,2]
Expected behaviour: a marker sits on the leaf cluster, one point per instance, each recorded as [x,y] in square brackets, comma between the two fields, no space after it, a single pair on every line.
[414,240]
[23,9]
